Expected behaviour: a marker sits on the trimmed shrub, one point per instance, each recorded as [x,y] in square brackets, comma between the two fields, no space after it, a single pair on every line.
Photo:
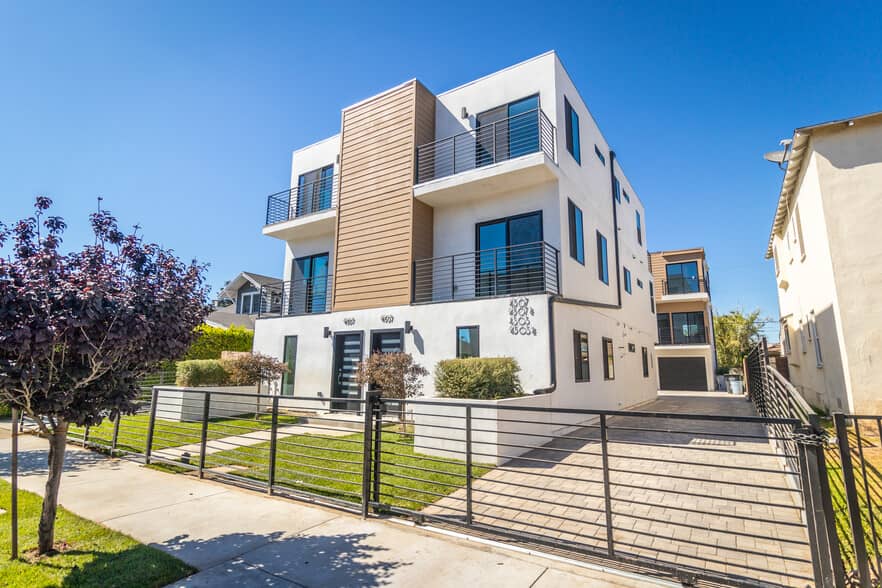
[201,372]
[247,370]
[5,410]
[479,378]
[213,340]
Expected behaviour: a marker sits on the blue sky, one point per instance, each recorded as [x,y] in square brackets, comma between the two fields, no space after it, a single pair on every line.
[182,115]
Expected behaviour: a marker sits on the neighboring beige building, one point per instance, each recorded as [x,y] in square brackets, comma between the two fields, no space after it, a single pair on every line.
[687,357]
[827,249]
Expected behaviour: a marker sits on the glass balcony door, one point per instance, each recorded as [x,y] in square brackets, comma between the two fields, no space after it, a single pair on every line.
[507,131]
[309,285]
[314,190]
[682,278]
[509,256]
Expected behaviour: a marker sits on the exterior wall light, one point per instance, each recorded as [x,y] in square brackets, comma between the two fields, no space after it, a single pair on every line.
[327,332]
[408,328]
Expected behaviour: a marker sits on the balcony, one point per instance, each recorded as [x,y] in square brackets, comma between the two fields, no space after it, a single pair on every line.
[517,270]
[514,152]
[685,288]
[296,297]
[304,211]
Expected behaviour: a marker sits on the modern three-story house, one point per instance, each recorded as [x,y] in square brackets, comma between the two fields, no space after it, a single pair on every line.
[489,220]
[687,357]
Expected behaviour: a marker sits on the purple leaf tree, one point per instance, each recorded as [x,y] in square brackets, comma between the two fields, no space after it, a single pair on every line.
[78,330]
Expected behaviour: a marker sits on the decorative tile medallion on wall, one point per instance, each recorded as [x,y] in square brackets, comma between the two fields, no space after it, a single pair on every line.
[519,317]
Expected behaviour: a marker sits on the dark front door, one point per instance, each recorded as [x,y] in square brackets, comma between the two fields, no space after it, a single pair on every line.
[682,373]
[509,257]
[346,392]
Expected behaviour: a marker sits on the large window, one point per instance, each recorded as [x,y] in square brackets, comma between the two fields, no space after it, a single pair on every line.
[682,278]
[609,367]
[664,329]
[639,228]
[510,256]
[688,328]
[644,354]
[249,302]
[309,285]
[572,121]
[468,342]
[602,263]
[627,280]
[577,240]
[580,356]
[505,132]
[289,356]
[314,190]
[391,341]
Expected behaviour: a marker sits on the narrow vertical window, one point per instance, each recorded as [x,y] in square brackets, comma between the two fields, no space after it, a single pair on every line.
[289,357]
[644,355]
[602,264]
[617,189]
[813,330]
[580,356]
[609,367]
[798,222]
[627,280]
[572,123]
[639,228]
[468,342]
[577,240]
[802,344]
[625,196]
[785,338]
[599,155]
[651,298]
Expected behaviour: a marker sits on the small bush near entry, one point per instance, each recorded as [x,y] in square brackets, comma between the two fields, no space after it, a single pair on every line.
[248,370]
[5,410]
[479,378]
[201,372]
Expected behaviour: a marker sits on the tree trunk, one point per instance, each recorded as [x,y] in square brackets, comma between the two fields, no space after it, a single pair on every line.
[46,535]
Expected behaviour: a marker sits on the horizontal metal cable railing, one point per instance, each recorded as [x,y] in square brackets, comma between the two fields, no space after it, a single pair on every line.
[503,271]
[302,200]
[684,286]
[297,297]
[522,134]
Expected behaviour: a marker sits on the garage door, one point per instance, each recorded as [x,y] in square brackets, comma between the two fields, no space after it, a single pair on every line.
[682,373]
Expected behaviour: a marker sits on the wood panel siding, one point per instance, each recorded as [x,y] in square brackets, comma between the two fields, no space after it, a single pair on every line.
[380,228]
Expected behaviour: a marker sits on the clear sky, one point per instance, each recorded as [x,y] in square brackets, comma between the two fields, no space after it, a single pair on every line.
[182,115]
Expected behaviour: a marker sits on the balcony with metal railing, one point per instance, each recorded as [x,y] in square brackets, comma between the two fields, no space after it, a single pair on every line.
[524,144]
[682,288]
[304,210]
[296,297]
[517,270]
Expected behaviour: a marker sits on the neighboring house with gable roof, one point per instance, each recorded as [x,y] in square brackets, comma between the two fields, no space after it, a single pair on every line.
[239,301]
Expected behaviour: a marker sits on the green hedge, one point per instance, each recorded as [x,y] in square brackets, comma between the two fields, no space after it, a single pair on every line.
[483,378]
[201,372]
[5,411]
[212,340]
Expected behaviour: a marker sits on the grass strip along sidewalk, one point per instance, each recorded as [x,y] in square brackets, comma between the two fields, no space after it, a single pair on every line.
[90,555]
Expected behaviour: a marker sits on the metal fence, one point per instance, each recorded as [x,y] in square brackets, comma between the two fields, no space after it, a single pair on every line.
[297,297]
[302,200]
[697,498]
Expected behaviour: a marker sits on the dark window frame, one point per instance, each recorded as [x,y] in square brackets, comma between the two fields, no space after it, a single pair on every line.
[627,279]
[599,155]
[576,231]
[609,359]
[373,332]
[288,377]
[639,228]
[617,189]
[688,316]
[644,355]
[668,337]
[581,365]
[602,258]
[572,131]
[477,329]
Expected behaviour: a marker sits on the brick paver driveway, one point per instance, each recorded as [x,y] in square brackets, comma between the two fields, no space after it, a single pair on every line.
[716,498]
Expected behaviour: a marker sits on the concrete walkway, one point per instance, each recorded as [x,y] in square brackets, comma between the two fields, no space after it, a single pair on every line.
[242,538]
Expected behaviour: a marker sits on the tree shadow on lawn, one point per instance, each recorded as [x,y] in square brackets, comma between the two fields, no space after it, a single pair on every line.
[270,559]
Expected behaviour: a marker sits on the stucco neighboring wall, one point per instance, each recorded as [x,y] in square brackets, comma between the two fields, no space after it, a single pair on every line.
[849,163]
[806,285]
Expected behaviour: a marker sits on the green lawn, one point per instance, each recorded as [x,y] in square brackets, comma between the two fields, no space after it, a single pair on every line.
[133,430]
[872,450]
[93,555]
[332,466]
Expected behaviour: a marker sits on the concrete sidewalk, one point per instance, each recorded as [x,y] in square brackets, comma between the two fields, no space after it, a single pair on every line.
[241,538]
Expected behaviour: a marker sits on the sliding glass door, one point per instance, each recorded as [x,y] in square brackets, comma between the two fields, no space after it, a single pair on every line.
[309,286]
[509,256]
[507,131]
